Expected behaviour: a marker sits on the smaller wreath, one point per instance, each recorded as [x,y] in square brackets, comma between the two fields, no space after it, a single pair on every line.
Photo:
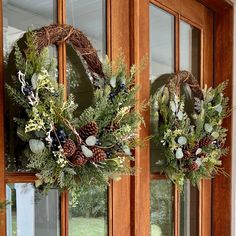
[190,135]
[71,152]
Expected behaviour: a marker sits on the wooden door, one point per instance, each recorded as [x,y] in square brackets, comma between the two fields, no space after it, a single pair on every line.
[180,37]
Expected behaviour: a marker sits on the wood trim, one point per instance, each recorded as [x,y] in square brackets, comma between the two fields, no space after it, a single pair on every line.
[205,208]
[176,211]
[2,147]
[110,209]
[140,46]
[158,176]
[61,18]
[20,177]
[166,7]
[221,194]
[109,52]
[177,43]
[217,5]
[64,214]
[120,192]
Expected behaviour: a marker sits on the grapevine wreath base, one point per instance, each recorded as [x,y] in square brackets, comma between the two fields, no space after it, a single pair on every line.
[190,134]
[68,147]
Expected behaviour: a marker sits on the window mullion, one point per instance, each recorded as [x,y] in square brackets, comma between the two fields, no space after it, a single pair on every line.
[61,18]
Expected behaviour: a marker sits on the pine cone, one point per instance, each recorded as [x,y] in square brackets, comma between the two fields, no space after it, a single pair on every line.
[187,154]
[78,158]
[205,142]
[88,130]
[113,126]
[69,148]
[193,167]
[98,155]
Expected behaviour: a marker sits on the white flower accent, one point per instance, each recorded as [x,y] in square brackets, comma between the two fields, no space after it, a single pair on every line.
[113,82]
[198,161]
[182,140]
[87,152]
[91,140]
[36,146]
[208,128]
[179,153]
[199,150]
[180,115]
[219,108]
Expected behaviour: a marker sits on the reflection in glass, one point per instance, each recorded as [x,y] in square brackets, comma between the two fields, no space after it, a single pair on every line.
[78,81]
[17,17]
[190,58]
[189,211]
[32,213]
[161,64]
[161,42]
[90,18]
[89,215]
[161,208]
[190,49]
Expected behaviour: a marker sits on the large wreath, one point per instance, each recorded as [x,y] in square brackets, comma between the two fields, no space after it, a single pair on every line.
[65,150]
[188,122]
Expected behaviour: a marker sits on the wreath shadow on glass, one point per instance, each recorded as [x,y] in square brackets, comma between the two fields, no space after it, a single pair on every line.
[188,127]
[72,148]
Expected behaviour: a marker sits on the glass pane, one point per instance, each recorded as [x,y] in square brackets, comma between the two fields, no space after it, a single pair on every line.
[89,215]
[18,16]
[190,49]
[161,65]
[161,62]
[90,18]
[161,42]
[190,59]
[32,213]
[189,211]
[162,218]
[78,81]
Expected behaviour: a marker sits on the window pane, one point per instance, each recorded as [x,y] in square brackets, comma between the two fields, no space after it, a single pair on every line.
[189,211]
[90,18]
[161,42]
[190,49]
[78,81]
[89,215]
[17,17]
[190,58]
[32,213]
[161,65]
[162,219]
[161,62]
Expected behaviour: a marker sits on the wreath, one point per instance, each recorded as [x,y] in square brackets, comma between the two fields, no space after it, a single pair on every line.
[71,151]
[188,121]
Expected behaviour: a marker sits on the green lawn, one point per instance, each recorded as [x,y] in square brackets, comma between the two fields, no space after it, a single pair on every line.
[87,227]
[96,227]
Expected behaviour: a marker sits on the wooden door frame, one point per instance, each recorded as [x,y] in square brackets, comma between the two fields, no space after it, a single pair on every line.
[223,70]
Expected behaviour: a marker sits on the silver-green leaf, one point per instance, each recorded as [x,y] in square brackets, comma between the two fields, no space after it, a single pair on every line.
[36,146]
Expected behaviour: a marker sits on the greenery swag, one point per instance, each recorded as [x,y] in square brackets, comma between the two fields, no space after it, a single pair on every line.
[66,150]
[189,131]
